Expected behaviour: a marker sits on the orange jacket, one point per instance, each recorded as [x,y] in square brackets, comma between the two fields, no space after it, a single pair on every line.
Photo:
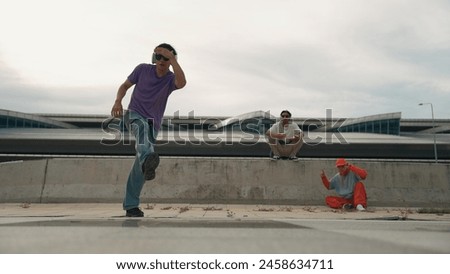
[362,173]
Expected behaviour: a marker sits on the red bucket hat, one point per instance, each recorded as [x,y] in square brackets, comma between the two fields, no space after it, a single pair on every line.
[340,162]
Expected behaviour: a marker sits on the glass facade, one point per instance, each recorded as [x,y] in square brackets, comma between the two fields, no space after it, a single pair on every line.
[387,126]
[19,122]
[12,119]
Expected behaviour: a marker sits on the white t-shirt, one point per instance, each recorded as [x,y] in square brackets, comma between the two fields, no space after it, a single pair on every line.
[290,129]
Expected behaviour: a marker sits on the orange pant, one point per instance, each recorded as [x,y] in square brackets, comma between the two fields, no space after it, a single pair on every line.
[359,197]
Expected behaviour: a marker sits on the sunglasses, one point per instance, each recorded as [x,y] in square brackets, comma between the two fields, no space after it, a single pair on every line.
[158,57]
[285,116]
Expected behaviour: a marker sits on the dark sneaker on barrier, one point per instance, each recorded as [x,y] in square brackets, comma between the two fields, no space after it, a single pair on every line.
[150,165]
[347,206]
[134,212]
[275,158]
[295,159]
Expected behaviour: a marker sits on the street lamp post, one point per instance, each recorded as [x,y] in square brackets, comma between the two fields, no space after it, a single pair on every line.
[434,132]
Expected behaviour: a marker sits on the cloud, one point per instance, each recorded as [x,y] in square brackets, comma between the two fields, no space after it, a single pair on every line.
[354,57]
[24,96]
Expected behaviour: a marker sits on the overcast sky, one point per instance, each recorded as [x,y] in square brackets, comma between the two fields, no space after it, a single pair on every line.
[355,57]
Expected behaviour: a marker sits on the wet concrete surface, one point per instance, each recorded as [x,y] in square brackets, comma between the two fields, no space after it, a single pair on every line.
[219,229]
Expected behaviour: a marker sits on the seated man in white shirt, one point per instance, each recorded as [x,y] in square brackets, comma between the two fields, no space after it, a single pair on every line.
[285,138]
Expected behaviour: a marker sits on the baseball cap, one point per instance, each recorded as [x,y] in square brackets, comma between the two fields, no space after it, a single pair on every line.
[340,162]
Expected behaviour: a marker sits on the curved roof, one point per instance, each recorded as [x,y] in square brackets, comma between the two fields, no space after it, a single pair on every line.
[14,119]
[371,118]
[437,129]
[259,114]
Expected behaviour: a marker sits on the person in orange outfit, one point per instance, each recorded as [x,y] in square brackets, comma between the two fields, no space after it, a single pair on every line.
[347,184]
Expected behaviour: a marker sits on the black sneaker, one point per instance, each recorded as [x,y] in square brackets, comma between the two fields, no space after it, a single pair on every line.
[134,212]
[150,165]
[347,206]
[275,158]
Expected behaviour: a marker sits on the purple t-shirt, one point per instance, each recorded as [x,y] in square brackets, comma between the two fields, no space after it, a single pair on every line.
[151,92]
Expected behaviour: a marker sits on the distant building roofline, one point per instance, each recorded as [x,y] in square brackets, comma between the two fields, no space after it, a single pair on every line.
[32,119]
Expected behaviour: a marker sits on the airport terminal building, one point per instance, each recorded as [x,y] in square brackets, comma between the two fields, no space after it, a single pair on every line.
[380,136]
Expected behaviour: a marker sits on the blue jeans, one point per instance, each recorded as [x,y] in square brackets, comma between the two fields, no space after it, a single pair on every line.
[145,136]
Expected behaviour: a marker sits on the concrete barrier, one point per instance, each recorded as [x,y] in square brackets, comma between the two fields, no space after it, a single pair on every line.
[219,180]
[22,181]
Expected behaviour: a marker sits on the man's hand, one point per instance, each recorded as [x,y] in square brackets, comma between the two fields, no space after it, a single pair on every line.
[166,53]
[180,78]
[325,180]
[274,135]
[117,110]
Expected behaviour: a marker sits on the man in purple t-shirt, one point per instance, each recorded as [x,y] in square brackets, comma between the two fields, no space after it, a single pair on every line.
[153,83]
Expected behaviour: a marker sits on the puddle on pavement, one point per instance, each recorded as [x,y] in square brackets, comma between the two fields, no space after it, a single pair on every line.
[264,224]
